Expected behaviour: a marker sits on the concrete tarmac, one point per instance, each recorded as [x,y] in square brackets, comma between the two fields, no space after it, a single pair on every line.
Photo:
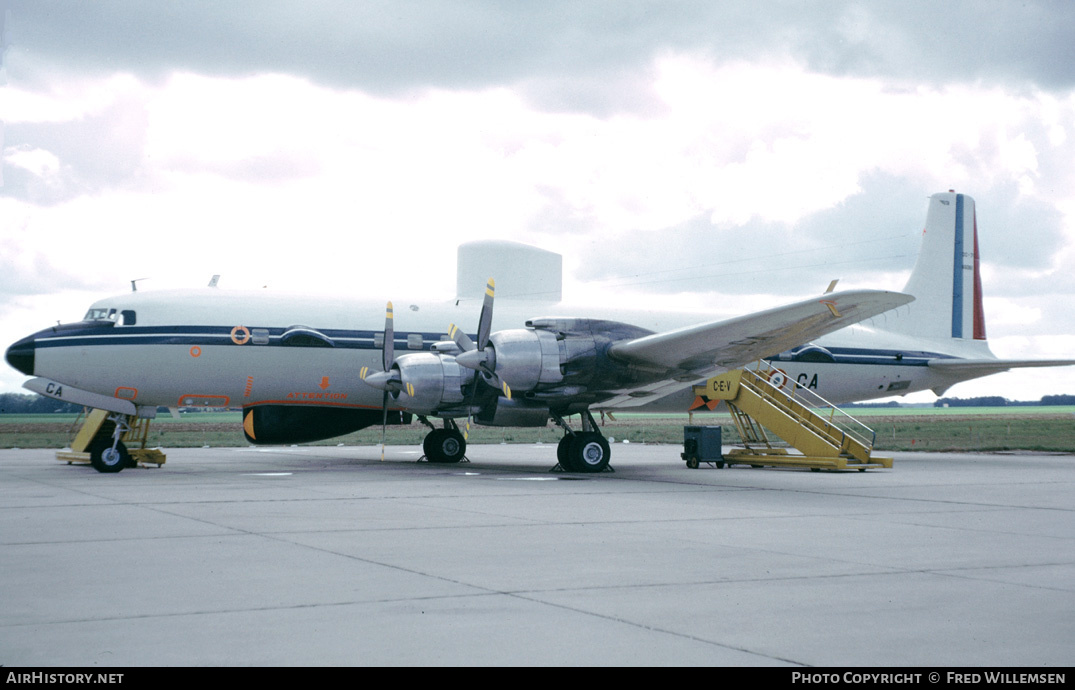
[328,556]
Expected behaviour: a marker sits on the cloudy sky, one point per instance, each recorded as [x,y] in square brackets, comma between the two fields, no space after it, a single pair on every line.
[720,156]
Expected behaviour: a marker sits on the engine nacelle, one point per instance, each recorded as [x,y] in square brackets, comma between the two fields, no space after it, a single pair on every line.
[558,357]
[526,358]
[430,382]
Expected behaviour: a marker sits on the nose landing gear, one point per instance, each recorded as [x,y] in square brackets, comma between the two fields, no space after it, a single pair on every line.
[111,456]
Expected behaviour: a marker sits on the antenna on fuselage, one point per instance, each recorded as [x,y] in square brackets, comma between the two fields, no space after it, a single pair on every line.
[213,281]
[134,284]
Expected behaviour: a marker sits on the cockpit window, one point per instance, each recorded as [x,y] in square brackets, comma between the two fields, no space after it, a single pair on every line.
[127,317]
[100,315]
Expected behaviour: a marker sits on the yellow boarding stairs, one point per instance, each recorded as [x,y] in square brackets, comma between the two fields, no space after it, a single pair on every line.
[96,435]
[824,436]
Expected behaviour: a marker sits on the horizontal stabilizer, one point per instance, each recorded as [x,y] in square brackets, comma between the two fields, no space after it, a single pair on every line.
[984,367]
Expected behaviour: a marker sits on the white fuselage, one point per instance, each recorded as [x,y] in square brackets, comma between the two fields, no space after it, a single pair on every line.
[213,348]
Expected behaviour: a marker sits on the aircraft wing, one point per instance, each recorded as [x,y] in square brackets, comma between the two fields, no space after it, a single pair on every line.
[735,342]
[695,352]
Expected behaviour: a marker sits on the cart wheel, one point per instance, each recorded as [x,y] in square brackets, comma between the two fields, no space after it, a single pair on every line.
[692,462]
[720,465]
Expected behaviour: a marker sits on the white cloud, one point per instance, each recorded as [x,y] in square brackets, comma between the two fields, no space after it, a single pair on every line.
[39,162]
[64,99]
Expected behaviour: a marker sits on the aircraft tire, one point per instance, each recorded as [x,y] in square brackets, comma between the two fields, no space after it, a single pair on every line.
[563,453]
[105,459]
[444,446]
[589,453]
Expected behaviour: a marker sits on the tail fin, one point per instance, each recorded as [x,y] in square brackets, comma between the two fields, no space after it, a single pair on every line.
[946,281]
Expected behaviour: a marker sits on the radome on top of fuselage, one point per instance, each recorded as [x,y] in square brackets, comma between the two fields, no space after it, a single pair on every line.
[267,308]
[528,285]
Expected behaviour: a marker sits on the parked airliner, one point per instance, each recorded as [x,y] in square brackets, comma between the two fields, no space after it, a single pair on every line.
[304,369]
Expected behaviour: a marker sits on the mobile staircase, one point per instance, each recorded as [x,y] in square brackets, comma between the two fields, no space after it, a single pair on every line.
[824,436]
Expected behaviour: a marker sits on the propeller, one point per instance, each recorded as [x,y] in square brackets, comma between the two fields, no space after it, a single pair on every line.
[480,356]
[387,380]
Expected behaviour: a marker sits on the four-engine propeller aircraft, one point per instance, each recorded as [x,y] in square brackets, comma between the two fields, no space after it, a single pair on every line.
[299,382]
[304,370]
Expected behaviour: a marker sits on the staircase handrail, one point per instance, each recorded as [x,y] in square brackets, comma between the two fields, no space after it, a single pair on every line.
[811,399]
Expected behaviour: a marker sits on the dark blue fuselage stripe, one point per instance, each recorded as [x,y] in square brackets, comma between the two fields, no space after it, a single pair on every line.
[957,273]
[209,335]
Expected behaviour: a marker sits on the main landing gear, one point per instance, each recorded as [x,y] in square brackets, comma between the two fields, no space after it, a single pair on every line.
[585,451]
[445,445]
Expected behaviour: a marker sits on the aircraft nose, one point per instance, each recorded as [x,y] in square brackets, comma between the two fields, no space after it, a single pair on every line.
[21,355]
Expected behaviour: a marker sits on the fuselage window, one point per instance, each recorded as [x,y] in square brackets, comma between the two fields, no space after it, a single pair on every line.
[414,341]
